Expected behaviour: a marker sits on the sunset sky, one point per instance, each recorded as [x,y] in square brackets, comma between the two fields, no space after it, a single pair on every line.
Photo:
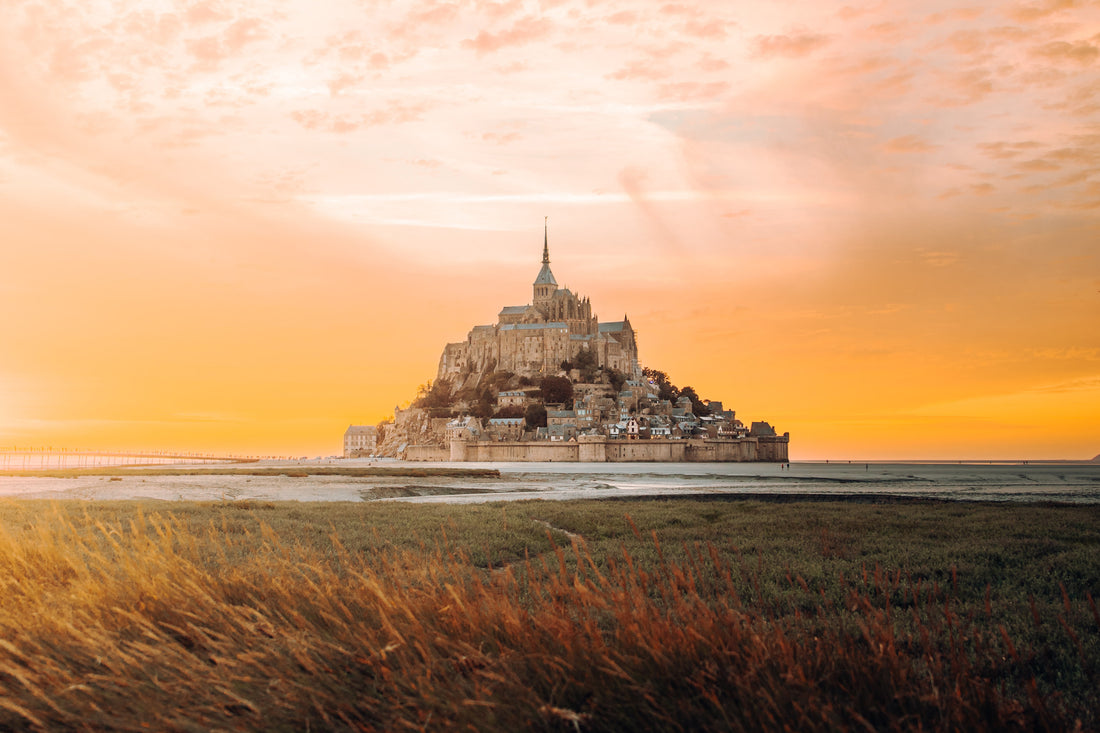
[243,226]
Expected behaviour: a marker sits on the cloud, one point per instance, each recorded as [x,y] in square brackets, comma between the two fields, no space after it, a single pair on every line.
[204,12]
[1081,52]
[1038,165]
[646,69]
[1028,13]
[395,114]
[710,28]
[501,138]
[1006,150]
[935,258]
[788,46]
[692,91]
[969,85]
[623,17]
[242,32]
[908,144]
[211,50]
[712,63]
[524,31]
[1083,384]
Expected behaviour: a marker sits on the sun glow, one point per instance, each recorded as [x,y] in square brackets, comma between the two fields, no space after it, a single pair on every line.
[874,225]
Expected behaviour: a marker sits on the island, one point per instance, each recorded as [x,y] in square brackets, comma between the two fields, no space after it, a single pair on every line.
[549,381]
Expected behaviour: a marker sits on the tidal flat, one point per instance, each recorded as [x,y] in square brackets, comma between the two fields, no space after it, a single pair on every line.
[359,480]
[701,613]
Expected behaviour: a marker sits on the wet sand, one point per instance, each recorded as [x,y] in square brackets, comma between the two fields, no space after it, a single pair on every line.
[1032,482]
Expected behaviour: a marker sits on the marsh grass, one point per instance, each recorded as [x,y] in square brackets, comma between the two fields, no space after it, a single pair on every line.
[647,615]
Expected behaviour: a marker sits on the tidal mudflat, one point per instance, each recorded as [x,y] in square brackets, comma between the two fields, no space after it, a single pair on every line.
[363,480]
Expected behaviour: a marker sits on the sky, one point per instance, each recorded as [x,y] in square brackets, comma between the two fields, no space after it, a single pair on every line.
[242,226]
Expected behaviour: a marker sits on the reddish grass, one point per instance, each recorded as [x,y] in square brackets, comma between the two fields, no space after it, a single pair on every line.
[155,626]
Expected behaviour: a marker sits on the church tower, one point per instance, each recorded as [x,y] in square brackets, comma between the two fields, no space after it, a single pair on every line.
[545,284]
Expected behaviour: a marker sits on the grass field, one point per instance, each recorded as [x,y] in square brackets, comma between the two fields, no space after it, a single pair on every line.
[574,616]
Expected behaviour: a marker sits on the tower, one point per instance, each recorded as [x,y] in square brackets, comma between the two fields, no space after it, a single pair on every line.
[545,284]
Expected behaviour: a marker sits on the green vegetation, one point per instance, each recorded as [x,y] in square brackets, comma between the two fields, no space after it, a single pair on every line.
[556,390]
[534,417]
[572,616]
[666,390]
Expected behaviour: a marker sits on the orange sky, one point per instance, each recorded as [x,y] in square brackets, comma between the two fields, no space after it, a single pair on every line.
[243,226]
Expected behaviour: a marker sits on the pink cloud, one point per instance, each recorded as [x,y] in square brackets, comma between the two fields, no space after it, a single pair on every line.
[789,46]
[242,32]
[395,114]
[1081,52]
[677,9]
[501,138]
[908,144]
[1038,165]
[1003,150]
[954,14]
[204,12]
[207,52]
[692,91]
[524,31]
[623,17]
[711,28]
[1027,13]
[712,63]
[969,86]
[647,69]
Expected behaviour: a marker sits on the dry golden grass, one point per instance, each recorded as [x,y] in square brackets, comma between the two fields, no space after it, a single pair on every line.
[130,620]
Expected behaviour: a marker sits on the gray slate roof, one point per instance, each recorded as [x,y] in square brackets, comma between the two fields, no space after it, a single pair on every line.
[545,276]
[532,326]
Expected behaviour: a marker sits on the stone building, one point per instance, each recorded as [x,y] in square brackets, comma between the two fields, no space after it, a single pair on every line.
[534,339]
[360,440]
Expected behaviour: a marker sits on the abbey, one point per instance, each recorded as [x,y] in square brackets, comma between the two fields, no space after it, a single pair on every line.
[534,339]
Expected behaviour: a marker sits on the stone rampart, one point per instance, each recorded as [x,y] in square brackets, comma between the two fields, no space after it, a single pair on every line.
[426,453]
[598,449]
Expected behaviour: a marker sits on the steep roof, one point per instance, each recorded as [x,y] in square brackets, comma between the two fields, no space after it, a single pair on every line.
[532,326]
[545,276]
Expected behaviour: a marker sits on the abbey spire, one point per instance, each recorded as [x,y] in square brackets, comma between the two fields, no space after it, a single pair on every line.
[545,241]
[545,284]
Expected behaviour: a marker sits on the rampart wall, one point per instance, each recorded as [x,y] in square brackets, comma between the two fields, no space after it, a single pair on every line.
[427,453]
[597,449]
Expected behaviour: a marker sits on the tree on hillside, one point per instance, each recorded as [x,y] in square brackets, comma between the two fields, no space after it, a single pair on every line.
[535,417]
[436,395]
[616,378]
[556,390]
[666,390]
[484,405]
[698,407]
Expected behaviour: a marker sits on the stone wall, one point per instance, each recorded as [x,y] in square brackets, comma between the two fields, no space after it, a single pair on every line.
[597,449]
[427,453]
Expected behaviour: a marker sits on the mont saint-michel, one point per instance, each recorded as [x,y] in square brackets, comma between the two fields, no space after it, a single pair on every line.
[549,381]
